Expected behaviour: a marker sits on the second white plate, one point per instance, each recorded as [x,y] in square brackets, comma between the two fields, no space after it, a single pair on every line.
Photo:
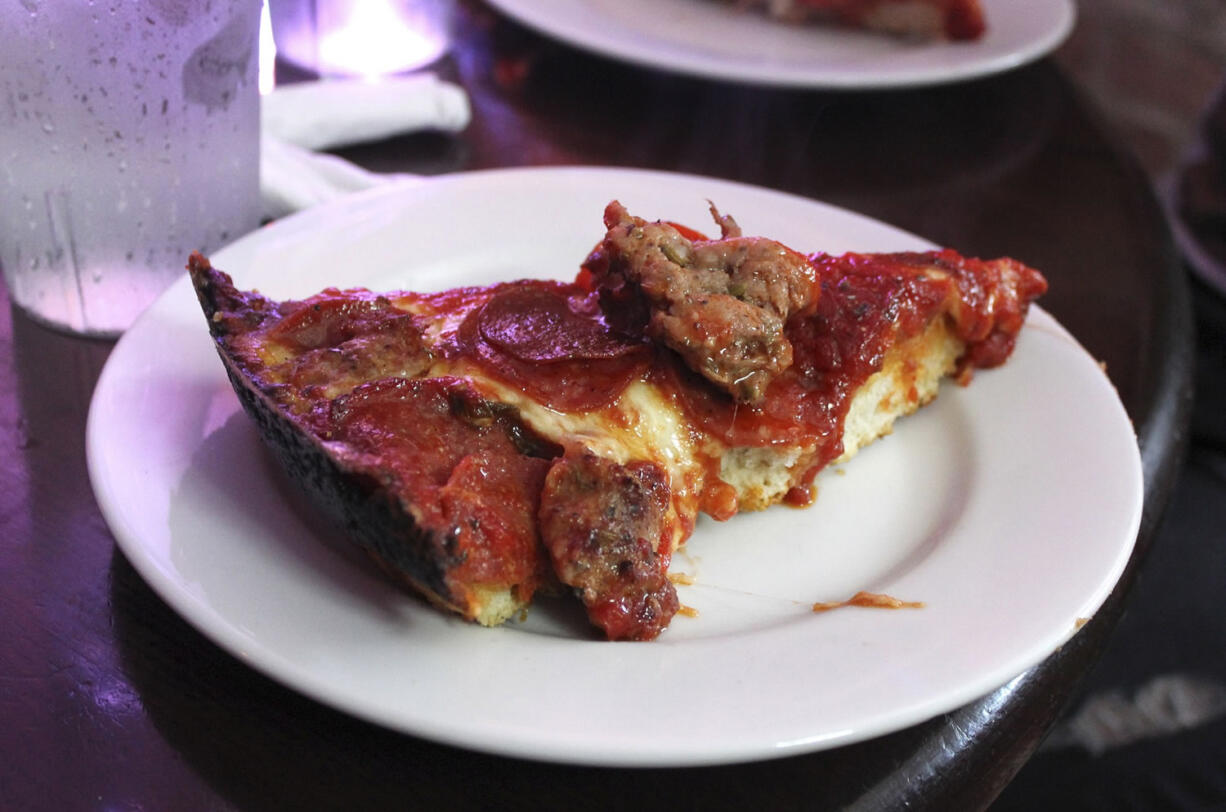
[716,40]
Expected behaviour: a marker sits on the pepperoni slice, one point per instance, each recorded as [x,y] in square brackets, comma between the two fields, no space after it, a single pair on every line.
[541,325]
[550,340]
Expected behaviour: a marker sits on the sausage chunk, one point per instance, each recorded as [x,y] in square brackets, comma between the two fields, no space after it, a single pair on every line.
[720,304]
[602,523]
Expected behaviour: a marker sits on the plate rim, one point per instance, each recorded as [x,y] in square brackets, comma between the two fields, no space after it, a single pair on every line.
[189,607]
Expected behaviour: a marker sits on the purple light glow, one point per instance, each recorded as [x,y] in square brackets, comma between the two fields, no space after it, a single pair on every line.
[361,37]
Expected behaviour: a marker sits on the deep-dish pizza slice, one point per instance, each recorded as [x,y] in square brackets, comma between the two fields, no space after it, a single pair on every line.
[483,444]
[948,19]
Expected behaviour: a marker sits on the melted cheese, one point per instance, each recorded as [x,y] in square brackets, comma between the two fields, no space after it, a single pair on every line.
[642,424]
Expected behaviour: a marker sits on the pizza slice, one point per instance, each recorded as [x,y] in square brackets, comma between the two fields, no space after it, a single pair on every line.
[927,19]
[484,444]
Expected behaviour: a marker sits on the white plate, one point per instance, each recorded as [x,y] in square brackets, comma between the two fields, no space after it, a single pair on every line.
[708,39]
[1008,507]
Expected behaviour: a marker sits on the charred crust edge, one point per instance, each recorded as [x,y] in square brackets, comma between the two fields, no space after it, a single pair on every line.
[374,517]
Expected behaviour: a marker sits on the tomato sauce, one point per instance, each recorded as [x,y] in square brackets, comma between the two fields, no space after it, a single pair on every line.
[552,341]
[476,473]
[868,304]
[868,600]
[474,487]
[333,317]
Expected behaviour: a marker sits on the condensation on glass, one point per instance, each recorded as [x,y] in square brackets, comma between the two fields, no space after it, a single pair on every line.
[129,137]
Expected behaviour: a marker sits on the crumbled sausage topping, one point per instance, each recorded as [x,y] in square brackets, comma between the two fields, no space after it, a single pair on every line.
[720,304]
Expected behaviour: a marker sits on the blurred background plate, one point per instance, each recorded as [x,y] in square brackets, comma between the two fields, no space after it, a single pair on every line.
[716,40]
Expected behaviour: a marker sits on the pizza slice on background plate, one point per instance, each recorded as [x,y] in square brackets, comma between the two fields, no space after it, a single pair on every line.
[948,19]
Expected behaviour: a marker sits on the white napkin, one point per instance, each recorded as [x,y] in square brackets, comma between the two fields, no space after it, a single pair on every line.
[299,118]
[293,178]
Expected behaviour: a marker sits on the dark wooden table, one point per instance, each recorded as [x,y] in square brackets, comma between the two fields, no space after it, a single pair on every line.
[109,700]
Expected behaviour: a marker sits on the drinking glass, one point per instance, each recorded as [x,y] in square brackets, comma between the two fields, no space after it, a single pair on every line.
[129,137]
